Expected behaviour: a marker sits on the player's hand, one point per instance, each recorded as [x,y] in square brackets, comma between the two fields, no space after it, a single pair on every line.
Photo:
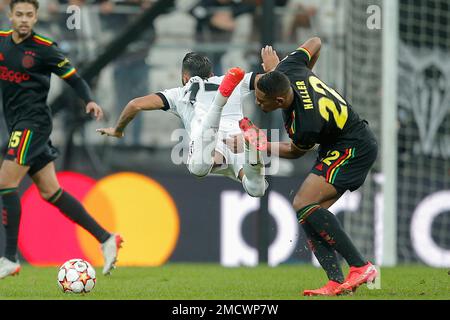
[270,58]
[110,132]
[95,109]
[235,143]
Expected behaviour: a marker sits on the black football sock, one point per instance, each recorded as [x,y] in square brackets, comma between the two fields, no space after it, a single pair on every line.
[11,214]
[75,211]
[329,228]
[324,253]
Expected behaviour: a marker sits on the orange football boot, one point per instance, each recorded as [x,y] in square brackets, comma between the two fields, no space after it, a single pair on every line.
[328,290]
[232,78]
[253,135]
[356,277]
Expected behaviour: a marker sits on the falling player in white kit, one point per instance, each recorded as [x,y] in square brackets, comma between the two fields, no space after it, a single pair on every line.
[210,109]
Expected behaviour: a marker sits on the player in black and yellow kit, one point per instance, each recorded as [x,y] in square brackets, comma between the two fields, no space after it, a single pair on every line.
[26,63]
[315,114]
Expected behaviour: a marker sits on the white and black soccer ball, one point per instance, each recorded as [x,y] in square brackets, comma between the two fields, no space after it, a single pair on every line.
[76,276]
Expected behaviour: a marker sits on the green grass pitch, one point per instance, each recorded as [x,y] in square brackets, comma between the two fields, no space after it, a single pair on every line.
[211,281]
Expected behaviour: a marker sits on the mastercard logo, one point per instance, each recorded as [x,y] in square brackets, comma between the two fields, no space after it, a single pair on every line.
[135,206]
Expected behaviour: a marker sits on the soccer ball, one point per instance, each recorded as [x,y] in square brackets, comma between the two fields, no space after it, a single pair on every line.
[76,276]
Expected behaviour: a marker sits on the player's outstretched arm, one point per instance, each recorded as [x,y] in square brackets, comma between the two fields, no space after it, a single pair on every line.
[286,150]
[149,102]
[82,89]
[313,46]
[58,64]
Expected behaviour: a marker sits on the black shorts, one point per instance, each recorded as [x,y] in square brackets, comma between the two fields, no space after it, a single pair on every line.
[346,165]
[30,148]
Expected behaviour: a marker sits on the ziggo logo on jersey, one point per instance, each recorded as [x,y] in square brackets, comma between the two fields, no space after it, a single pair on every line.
[137,207]
[12,76]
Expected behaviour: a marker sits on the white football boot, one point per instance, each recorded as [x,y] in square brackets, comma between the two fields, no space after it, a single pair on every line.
[8,268]
[110,249]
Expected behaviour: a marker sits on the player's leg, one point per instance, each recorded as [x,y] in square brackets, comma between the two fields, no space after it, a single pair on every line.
[204,138]
[11,174]
[253,176]
[50,190]
[338,171]
[347,169]
[47,183]
[253,180]
[326,256]
[307,203]
[323,250]
[324,253]
[234,164]
[254,184]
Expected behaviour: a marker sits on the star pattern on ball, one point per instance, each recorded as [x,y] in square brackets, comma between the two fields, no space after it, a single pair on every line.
[84,277]
[65,284]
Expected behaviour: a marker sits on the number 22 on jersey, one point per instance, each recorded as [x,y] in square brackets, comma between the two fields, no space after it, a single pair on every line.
[327,106]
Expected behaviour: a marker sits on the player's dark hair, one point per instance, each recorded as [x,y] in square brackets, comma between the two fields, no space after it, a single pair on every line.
[274,84]
[35,3]
[197,65]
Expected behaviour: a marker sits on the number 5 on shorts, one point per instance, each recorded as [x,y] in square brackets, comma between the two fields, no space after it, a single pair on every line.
[19,144]
[15,139]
